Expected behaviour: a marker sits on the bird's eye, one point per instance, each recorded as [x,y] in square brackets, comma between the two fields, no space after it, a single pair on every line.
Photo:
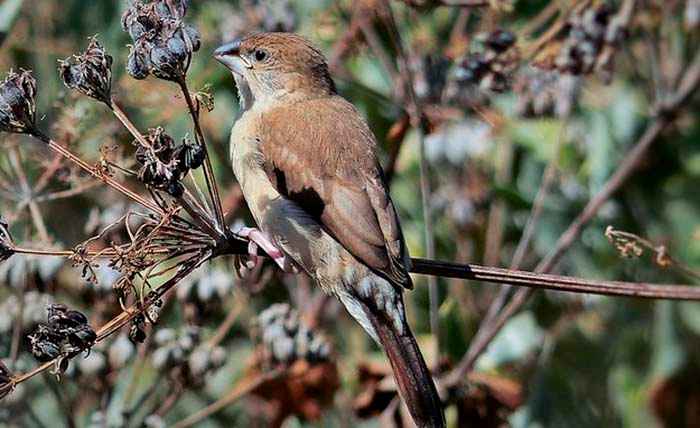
[260,55]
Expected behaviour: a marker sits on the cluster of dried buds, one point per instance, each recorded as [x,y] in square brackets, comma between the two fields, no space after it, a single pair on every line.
[137,329]
[66,334]
[89,72]
[7,246]
[163,164]
[185,353]
[587,33]
[546,92]
[17,103]
[491,68]
[163,43]
[287,338]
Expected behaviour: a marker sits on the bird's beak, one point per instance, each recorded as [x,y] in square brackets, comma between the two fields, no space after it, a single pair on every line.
[229,55]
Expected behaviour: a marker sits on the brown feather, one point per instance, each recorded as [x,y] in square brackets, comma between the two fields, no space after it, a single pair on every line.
[333,173]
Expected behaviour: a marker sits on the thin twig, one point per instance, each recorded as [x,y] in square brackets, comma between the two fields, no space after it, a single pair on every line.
[242,387]
[665,115]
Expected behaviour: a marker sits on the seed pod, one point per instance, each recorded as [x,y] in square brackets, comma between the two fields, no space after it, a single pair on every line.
[138,64]
[191,156]
[82,337]
[45,343]
[17,103]
[193,35]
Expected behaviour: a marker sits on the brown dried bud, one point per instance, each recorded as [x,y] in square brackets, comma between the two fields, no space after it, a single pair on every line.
[17,103]
[90,72]
[163,43]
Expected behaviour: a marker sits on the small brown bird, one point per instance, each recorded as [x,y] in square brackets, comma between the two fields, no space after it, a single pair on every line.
[305,160]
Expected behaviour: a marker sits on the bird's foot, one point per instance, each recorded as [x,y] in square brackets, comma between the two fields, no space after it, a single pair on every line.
[258,239]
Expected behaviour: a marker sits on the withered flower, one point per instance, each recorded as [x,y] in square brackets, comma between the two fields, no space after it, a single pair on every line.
[163,43]
[90,72]
[17,103]
[7,246]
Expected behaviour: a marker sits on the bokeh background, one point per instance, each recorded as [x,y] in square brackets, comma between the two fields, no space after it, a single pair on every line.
[565,360]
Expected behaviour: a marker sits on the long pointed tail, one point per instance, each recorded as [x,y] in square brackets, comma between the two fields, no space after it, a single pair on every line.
[412,376]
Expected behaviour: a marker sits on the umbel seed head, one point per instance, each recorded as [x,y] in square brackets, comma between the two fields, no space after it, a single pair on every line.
[163,43]
[17,103]
[89,73]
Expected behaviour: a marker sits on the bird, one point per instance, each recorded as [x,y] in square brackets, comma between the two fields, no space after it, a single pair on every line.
[306,162]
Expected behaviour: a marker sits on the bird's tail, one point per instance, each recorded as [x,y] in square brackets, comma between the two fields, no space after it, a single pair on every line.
[412,376]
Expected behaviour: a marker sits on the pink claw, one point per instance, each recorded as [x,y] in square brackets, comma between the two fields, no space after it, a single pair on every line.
[258,238]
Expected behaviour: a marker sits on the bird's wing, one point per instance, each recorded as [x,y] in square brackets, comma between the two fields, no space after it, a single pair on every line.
[320,153]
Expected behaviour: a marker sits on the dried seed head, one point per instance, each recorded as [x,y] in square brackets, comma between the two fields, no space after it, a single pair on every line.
[90,72]
[17,103]
[163,43]
[163,164]
[66,334]
[7,246]
[5,380]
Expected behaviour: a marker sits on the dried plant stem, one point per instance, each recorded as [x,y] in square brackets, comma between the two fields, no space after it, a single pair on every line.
[209,177]
[686,88]
[242,387]
[56,147]
[533,281]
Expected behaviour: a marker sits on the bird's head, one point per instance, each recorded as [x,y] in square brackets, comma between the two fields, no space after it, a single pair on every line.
[272,65]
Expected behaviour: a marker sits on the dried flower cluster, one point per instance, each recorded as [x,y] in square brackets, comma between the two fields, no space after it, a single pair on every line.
[490,69]
[287,338]
[185,353]
[588,31]
[17,103]
[164,164]
[89,72]
[66,334]
[163,43]
[5,379]
[6,244]
[546,92]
